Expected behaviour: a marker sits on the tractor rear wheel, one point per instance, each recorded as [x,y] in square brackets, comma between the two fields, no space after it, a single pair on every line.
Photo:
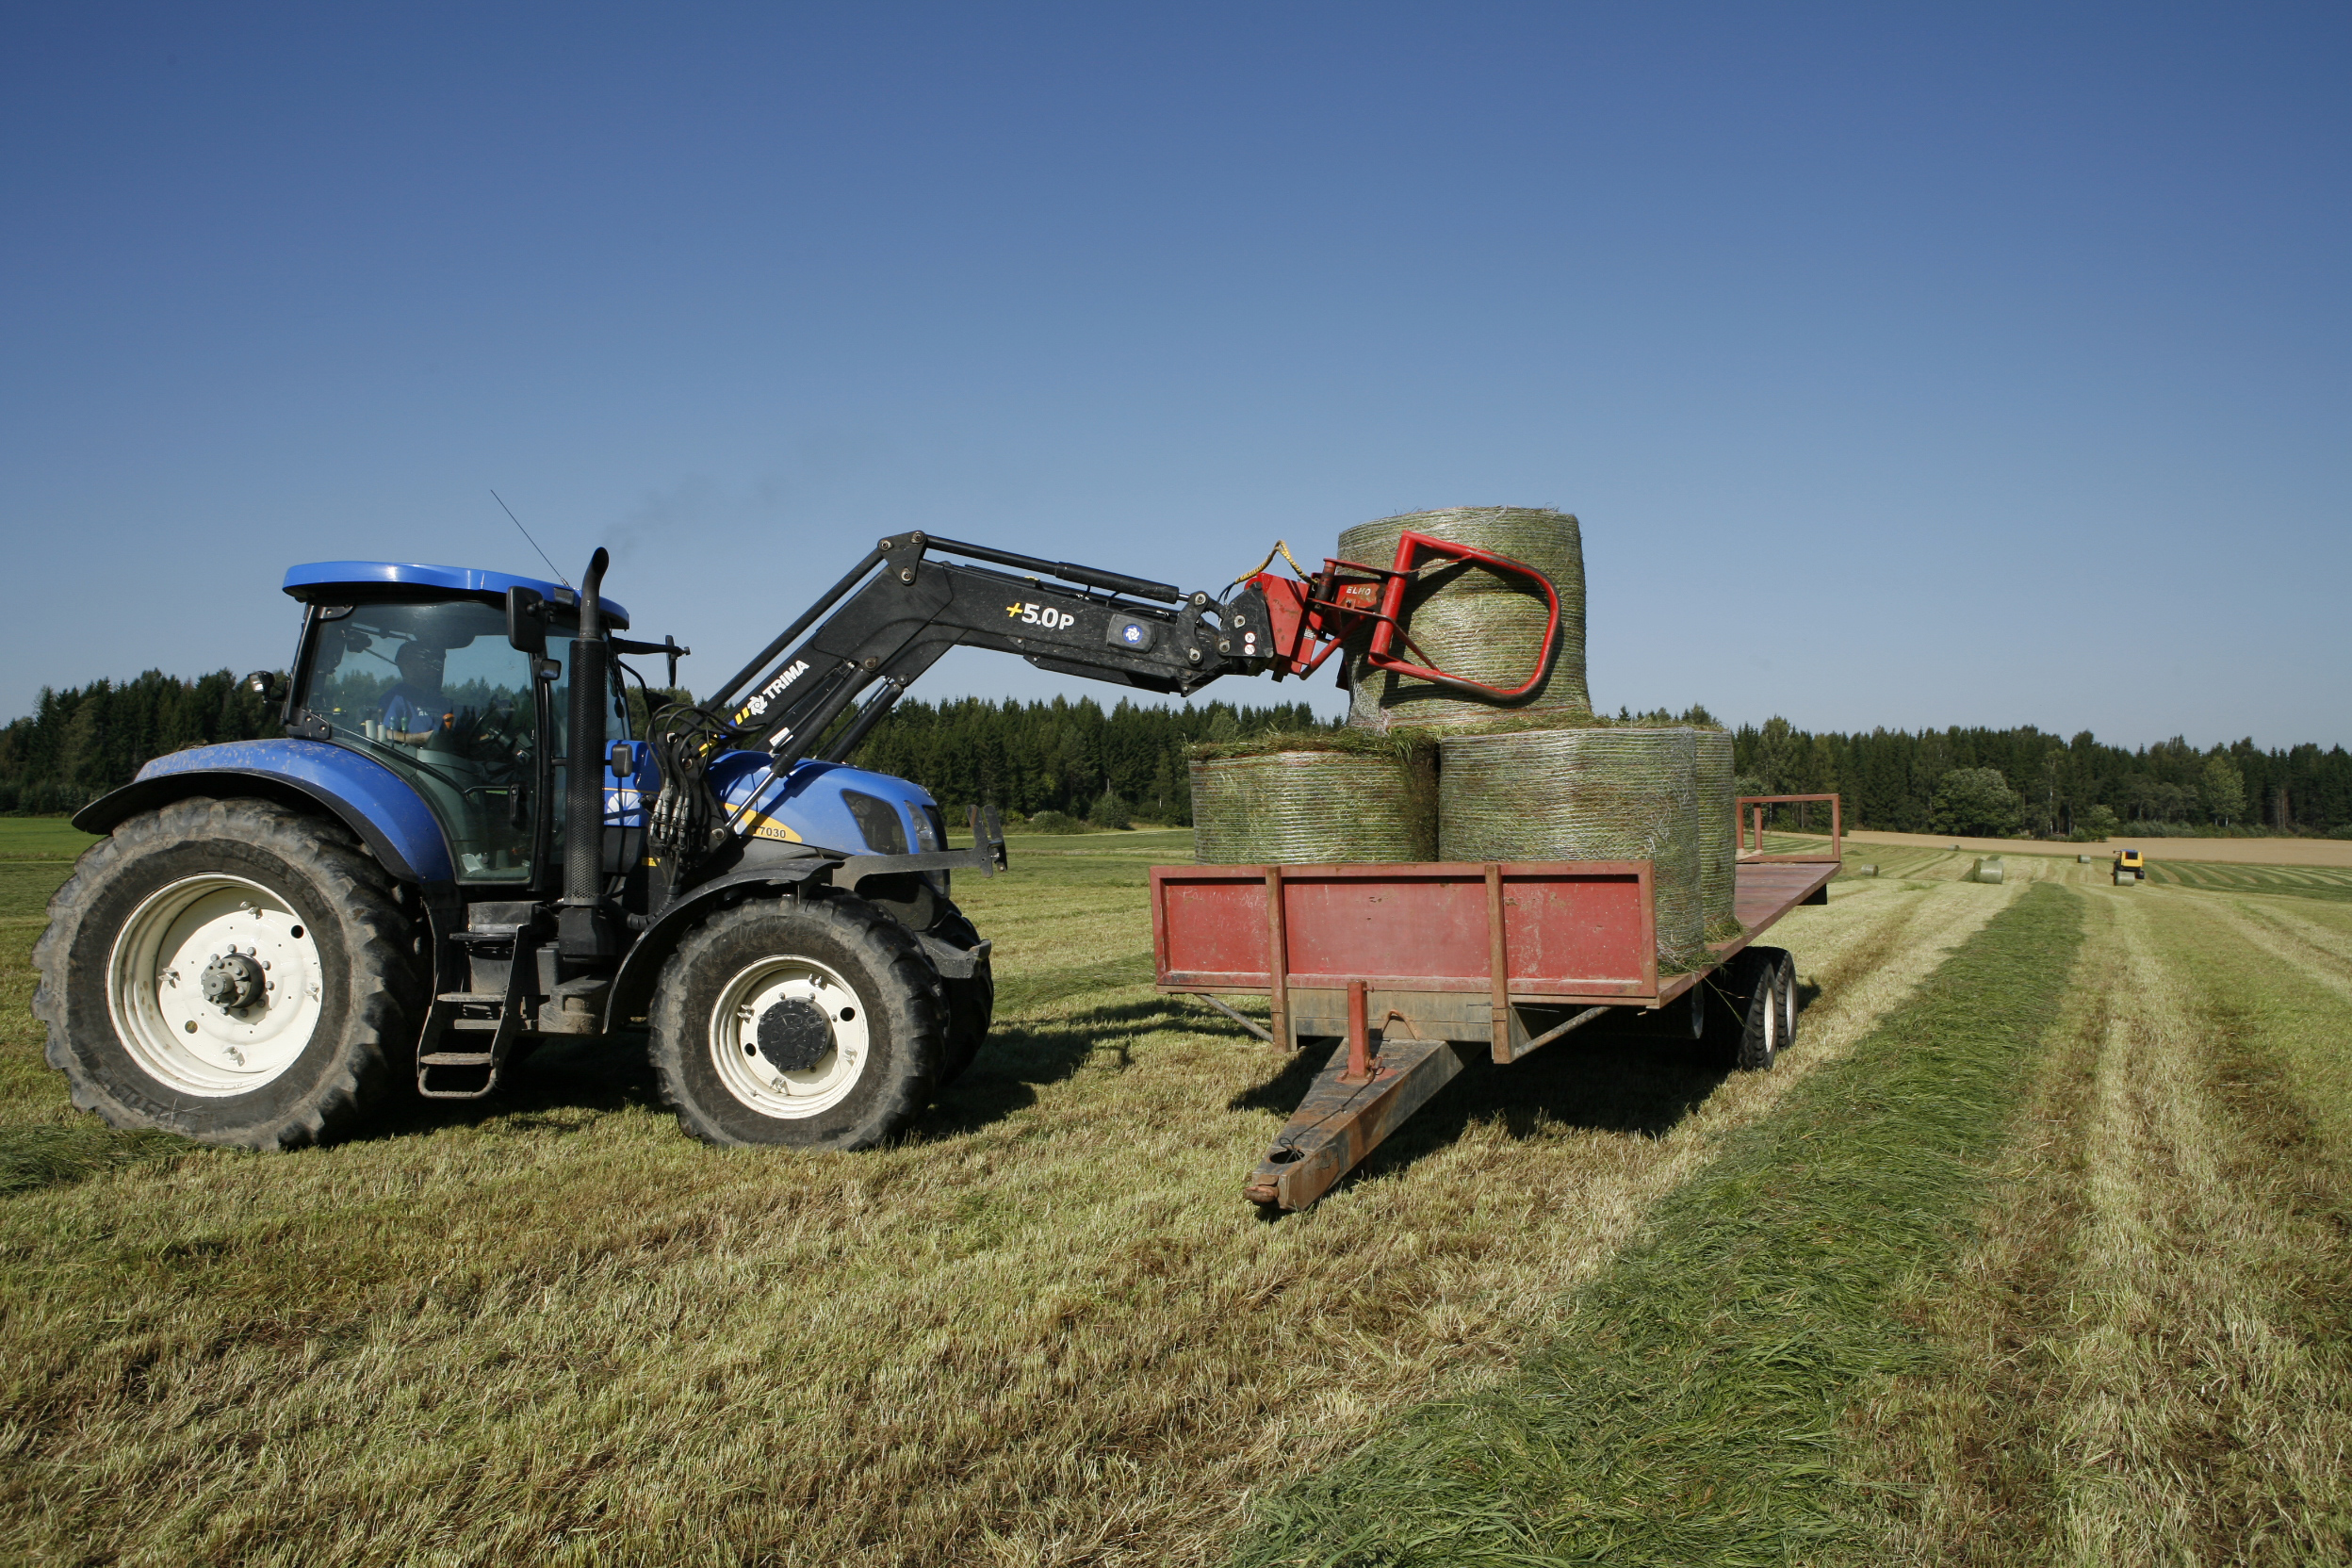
[814,1021]
[230,971]
[970,1001]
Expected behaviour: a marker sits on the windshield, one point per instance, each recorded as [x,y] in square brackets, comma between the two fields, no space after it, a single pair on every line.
[435,691]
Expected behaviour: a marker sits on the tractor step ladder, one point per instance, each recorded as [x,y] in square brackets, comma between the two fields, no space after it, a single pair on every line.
[445,1069]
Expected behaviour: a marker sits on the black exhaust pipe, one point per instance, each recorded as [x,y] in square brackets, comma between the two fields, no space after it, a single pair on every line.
[584,929]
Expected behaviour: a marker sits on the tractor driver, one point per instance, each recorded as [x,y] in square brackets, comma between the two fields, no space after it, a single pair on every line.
[413,712]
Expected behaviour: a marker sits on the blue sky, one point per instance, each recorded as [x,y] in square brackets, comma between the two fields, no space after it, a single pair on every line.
[1906,366]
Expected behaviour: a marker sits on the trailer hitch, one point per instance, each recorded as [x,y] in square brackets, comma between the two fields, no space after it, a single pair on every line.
[1312,616]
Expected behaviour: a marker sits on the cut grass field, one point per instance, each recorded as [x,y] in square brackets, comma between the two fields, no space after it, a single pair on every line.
[2092,1307]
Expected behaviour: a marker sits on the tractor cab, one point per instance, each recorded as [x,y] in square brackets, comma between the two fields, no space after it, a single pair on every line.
[417,668]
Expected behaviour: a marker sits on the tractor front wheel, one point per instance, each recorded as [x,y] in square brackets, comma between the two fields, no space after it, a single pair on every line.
[230,971]
[971,1001]
[814,1021]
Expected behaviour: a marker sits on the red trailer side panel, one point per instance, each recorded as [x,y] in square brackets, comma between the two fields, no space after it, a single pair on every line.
[1570,929]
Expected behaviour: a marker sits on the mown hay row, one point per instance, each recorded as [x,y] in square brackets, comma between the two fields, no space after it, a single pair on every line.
[1317,803]
[1471,621]
[1618,793]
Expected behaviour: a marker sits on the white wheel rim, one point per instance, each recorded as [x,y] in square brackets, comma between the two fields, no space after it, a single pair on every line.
[750,1077]
[1772,1019]
[156,980]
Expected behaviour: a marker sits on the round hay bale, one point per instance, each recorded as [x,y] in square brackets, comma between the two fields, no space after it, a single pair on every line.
[1719,834]
[1470,621]
[1616,793]
[1987,868]
[1315,800]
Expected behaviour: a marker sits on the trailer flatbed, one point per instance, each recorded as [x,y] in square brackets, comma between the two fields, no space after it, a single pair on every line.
[1411,967]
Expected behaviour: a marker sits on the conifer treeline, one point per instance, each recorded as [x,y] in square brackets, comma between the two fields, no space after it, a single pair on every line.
[1893,779]
[1065,755]
[79,743]
[1061,756]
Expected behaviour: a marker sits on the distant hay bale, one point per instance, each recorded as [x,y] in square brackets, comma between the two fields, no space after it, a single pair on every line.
[1600,794]
[1323,798]
[1470,621]
[1719,841]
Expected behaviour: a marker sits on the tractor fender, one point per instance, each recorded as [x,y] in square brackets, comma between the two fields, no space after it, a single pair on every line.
[632,985]
[366,797]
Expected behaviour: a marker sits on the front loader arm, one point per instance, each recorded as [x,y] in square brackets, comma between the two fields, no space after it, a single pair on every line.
[906,605]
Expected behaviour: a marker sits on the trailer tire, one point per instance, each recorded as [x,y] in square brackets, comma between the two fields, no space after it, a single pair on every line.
[297,1037]
[813,1022]
[970,1001]
[1784,967]
[1747,991]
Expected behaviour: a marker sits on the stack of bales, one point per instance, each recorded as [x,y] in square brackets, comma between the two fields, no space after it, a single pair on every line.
[1425,772]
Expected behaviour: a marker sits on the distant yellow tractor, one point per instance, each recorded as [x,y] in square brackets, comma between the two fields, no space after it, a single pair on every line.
[2129,867]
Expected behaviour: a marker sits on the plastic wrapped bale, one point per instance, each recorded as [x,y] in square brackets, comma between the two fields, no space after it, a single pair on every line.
[1601,793]
[1315,800]
[1719,834]
[1987,868]
[1468,620]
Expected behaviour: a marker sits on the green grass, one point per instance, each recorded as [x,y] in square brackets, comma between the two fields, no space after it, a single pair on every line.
[2145,1355]
[2320,882]
[53,839]
[1044,1328]
[37,854]
[1687,1412]
[2088,1307]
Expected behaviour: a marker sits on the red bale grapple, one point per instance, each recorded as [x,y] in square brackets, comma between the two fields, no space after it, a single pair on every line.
[1412,967]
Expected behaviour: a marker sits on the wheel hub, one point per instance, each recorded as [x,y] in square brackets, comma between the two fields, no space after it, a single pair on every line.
[215,985]
[233,981]
[795,1035]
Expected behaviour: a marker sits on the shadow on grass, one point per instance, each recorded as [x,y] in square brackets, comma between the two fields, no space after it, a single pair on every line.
[1631,1085]
[34,1155]
[546,1091]
[1023,1056]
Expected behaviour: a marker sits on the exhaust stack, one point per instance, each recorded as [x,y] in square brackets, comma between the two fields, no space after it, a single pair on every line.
[584,928]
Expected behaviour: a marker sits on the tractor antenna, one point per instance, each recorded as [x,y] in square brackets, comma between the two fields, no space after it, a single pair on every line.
[527,539]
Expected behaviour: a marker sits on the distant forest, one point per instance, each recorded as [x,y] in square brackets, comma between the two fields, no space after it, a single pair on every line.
[1085,762]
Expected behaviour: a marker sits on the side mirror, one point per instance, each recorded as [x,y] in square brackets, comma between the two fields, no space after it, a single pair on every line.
[526,621]
[265,685]
[622,761]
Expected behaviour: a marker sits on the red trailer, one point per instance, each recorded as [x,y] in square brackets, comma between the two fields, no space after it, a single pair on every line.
[1411,966]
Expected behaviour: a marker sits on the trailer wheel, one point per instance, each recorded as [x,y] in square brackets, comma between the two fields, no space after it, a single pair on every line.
[812,1022]
[1784,965]
[230,971]
[1749,992]
[971,1002]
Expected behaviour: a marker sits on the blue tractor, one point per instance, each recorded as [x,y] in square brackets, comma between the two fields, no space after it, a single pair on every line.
[459,848]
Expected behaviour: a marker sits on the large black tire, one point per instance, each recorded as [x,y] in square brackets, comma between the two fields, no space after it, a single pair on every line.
[1745,1008]
[971,1002]
[813,1022]
[1785,978]
[126,993]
